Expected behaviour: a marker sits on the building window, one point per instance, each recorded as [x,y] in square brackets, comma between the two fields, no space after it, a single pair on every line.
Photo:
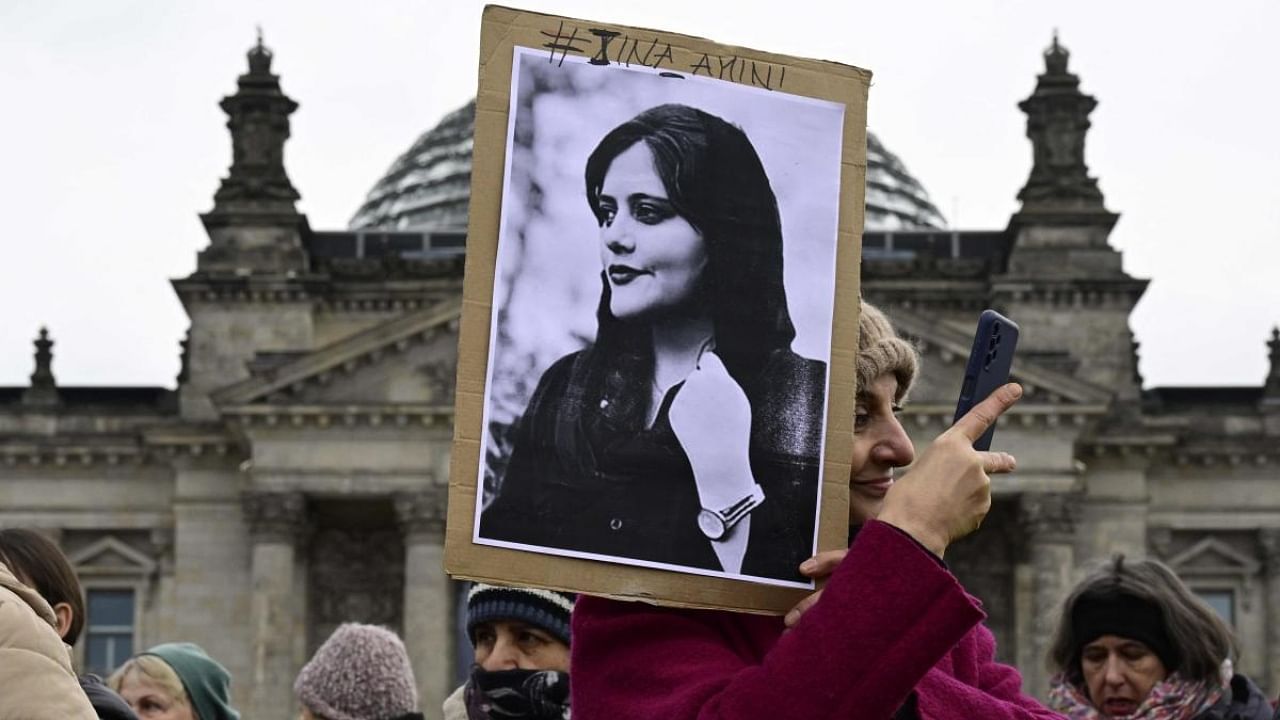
[109,630]
[1223,602]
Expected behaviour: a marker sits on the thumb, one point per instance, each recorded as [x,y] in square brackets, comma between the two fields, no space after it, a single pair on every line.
[984,414]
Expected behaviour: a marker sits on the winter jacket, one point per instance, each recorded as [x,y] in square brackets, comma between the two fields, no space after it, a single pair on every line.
[583,477]
[36,679]
[1244,701]
[455,706]
[105,702]
[893,631]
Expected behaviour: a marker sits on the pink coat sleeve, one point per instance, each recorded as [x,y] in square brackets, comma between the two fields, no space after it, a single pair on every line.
[889,613]
[984,688]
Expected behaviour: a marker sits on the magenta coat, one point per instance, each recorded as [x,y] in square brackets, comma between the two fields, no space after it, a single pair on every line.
[891,620]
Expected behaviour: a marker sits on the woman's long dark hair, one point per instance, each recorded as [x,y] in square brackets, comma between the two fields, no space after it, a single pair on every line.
[714,179]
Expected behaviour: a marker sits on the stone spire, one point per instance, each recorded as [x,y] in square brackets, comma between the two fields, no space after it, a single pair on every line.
[1061,255]
[1057,120]
[44,389]
[1271,390]
[254,223]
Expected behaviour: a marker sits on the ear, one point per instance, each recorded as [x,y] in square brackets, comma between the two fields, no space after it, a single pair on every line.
[63,612]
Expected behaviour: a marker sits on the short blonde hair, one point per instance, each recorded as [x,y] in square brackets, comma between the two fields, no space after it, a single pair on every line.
[155,669]
[881,351]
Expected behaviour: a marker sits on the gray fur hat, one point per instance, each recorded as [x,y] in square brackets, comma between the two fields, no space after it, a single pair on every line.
[361,672]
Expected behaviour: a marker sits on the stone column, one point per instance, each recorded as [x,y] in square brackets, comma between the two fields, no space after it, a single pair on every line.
[428,595]
[1269,539]
[276,521]
[1048,520]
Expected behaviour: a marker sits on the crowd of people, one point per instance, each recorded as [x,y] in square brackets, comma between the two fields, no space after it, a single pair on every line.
[891,635]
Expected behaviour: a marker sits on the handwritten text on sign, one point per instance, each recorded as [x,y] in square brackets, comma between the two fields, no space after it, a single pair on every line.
[607,47]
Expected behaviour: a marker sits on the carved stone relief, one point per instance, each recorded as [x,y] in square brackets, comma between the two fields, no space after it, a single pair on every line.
[355,575]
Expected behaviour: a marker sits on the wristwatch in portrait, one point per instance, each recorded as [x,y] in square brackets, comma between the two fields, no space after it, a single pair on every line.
[715,524]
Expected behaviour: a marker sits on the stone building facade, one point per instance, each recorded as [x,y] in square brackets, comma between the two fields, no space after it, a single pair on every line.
[297,475]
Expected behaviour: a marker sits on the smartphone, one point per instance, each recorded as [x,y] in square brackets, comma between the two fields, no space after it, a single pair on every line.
[988,366]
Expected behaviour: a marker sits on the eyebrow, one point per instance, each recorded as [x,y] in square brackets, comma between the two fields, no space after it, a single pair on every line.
[633,197]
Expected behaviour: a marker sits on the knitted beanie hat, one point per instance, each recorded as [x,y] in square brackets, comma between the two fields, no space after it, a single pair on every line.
[880,350]
[207,683]
[1111,611]
[545,609]
[361,672]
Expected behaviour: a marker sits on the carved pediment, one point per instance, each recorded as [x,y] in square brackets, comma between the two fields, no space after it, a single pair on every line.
[945,351]
[111,556]
[409,359]
[1212,556]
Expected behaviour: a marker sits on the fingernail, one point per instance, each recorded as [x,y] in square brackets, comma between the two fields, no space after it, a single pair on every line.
[791,618]
[808,565]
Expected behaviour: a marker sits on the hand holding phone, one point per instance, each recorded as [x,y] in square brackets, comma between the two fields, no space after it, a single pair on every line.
[990,360]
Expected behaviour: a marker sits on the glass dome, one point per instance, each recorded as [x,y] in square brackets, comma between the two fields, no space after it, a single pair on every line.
[428,187]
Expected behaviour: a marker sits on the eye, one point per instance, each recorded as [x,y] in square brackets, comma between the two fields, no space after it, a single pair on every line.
[1133,653]
[606,211]
[897,409]
[861,419]
[651,212]
[531,641]
[485,636]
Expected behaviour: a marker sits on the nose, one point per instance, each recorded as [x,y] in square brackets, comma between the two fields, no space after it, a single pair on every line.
[503,657]
[894,447]
[1112,672]
[617,235]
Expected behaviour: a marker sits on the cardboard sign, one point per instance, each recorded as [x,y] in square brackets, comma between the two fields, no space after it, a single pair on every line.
[656,362]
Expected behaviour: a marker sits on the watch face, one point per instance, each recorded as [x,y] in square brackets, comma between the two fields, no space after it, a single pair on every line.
[710,524]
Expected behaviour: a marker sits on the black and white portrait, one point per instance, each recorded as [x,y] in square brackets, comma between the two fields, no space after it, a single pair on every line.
[665,273]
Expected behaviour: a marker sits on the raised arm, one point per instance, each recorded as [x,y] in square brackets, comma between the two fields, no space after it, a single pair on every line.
[889,614]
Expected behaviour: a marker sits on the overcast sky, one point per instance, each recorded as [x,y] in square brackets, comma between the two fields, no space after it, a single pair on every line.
[112,142]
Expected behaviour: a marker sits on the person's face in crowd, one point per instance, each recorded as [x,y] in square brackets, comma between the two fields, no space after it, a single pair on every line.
[514,645]
[652,256]
[150,701]
[1118,673]
[880,445]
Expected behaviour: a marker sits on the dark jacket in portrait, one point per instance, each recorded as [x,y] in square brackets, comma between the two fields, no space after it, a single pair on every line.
[583,478]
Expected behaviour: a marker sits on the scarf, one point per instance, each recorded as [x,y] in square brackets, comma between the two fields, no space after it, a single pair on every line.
[1170,699]
[517,695]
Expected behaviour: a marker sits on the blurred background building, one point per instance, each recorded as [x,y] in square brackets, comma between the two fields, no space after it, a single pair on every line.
[297,475]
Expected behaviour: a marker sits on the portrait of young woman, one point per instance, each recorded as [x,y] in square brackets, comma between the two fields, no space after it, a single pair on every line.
[685,430]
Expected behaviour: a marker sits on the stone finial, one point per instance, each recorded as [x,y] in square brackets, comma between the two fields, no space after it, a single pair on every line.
[184,368]
[44,389]
[258,117]
[255,224]
[259,57]
[1271,389]
[1057,121]
[1056,57]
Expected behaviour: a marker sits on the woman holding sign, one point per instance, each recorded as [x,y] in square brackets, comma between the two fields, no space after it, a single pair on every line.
[689,433]
[892,635]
